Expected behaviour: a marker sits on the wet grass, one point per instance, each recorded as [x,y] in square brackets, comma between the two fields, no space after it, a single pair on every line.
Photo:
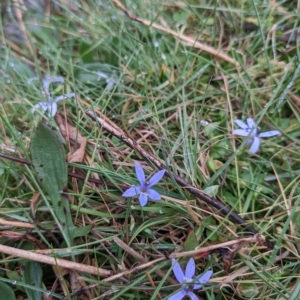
[146,71]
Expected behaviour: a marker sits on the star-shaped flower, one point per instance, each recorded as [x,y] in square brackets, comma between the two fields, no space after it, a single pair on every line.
[188,280]
[51,104]
[250,129]
[144,189]
[110,80]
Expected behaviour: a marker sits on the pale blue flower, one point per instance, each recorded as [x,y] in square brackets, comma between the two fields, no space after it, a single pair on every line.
[144,189]
[48,79]
[250,129]
[188,280]
[110,80]
[50,106]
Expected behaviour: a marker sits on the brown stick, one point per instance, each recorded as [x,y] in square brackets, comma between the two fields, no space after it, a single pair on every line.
[19,16]
[58,262]
[257,238]
[190,41]
[16,224]
[224,210]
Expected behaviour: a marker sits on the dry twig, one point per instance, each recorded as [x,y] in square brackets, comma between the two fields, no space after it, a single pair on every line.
[58,262]
[190,41]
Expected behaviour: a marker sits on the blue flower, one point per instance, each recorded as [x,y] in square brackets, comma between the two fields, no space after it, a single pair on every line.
[144,188]
[188,280]
[250,129]
[51,104]
[111,81]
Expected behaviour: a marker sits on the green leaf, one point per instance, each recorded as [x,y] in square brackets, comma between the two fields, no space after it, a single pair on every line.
[19,67]
[212,190]
[86,52]
[148,233]
[220,150]
[50,163]
[86,73]
[49,158]
[6,292]
[33,275]
[212,235]
[179,17]
[81,231]
[249,290]
[46,34]
[209,221]
[211,165]
[229,198]
[13,275]
[211,128]
[191,242]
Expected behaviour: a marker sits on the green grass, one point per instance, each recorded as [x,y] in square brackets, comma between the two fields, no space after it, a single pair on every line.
[177,102]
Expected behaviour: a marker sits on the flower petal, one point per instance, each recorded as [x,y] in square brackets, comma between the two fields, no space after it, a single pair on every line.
[253,132]
[110,83]
[139,173]
[190,269]
[49,79]
[269,133]
[241,124]
[65,96]
[52,109]
[249,141]
[192,295]
[178,296]
[251,123]
[255,146]
[177,271]
[202,279]
[153,195]
[43,105]
[197,286]
[156,178]
[240,132]
[143,199]
[101,75]
[132,191]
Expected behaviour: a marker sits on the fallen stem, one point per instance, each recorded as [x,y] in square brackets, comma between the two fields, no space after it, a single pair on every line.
[257,238]
[190,41]
[224,210]
[57,262]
